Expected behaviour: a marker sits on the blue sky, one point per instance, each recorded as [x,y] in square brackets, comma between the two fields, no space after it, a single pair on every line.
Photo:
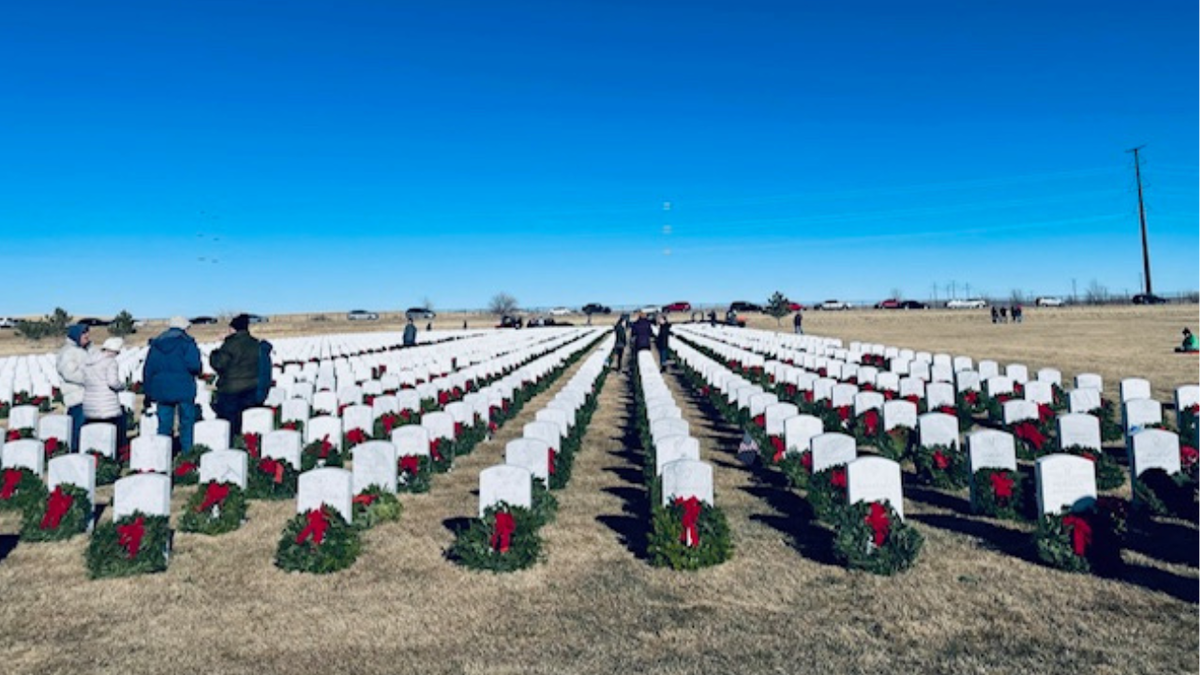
[196,157]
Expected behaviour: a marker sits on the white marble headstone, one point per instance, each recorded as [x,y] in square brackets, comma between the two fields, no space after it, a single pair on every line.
[870,479]
[531,454]
[1064,481]
[375,463]
[798,432]
[150,452]
[56,426]
[505,483]
[938,429]
[75,469]
[1083,400]
[899,413]
[213,434]
[283,445]
[1019,410]
[25,453]
[324,427]
[100,437]
[991,449]
[832,449]
[411,440]
[1079,429]
[672,448]
[224,466]
[149,493]
[259,421]
[687,478]
[328,486]
[23,417]
[1154,449]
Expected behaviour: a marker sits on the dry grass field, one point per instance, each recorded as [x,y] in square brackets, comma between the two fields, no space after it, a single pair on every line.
[976,602]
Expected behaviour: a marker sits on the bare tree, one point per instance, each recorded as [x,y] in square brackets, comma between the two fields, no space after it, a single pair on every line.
[897,293]
[502,304]
[1096,293]
[427,304]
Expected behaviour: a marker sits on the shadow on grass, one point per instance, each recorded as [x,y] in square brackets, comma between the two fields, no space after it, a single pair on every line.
[936,498]
[1154,579]
[1170,542]
[8,542]
[633,526]
[456,525]
[1015,543]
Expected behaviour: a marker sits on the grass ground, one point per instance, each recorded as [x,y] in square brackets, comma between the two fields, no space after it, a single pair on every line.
[976,602]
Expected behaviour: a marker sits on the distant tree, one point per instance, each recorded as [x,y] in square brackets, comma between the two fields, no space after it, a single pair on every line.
[778,307]
[58,322]
[502,304]
[427,304]
[1096,293]
[897,293]
[1017,297]
[33,330]
[122,324]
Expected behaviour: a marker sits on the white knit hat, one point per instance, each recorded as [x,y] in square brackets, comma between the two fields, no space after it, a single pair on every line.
[113,344]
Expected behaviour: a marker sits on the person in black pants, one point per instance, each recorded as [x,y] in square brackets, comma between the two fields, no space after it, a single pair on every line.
[620,338]
[642,332]
[662,341]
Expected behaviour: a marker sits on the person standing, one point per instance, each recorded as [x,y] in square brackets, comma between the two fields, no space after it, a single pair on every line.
[662,341]
[172,366]
[101,382]
[642,332]
[620,339]
[72,359]
[236,363]
[410,334]
[266,377]
[798,323]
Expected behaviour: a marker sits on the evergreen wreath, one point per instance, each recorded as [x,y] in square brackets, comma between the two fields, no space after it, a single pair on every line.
[1189,431]
[895,443]
[215,508]
[1158,493]
[55,448]
[942,466]
[64,513]
[413,473]
[374,505]
[999,493]
[20,488]
[320,453]
[1110,428]
[108,469]
[505,539]
[1109,474]
[1083,540]
[797,466]
[872,537]
[318,541]
[688,535]
[545,504]
[185,468]
[271,479]
[827,493]
[134,544]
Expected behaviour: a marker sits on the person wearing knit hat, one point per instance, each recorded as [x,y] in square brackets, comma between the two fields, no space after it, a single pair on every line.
[1190,344]
[101,383]
[71,360]
[236,364]
[169,375]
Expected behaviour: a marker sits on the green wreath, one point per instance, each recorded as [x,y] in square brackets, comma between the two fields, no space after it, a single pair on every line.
[415,482]
[299,550]
[271,479]
[35,526]
[216,508]
[667,547]
[24,489]
[545,504]
[477,546]
[185,468]
[797,466]
[1059,544]
[872,537]
[1158,493]
[374,505]
[988,482]
[108,469]
[827,493]
[311,456]
[942,466]
[895,443]
[108,552]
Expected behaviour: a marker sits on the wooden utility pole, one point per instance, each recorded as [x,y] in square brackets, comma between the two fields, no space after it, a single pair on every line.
[1137,170]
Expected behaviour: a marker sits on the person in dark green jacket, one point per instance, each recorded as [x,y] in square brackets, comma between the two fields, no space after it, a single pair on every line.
[1190,344]
[236,365]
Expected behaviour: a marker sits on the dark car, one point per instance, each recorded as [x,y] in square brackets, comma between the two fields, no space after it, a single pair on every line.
[93,322]
[202,320]
[596,308]
[678,307]
[740,306]
[1148,299]
[507,321]
[912,304]
[419,313]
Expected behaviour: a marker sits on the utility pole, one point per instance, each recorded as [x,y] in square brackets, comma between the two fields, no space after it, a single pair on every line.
[1137,170]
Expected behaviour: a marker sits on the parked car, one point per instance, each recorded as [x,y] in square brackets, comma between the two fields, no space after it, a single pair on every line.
[972,303]
[649,309]
[93,322]
[1148,299]
[912,304]
[834,305]
[8,322]
[256,318]
[507,321]
[362,315]
[1048,302]
[742,306]
[678,307]
[202,320]
[890,303]
[795,306]
[596,308]
[419,313]
[560,311]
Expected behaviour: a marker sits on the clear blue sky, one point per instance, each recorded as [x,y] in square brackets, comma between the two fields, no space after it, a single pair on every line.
[195,157]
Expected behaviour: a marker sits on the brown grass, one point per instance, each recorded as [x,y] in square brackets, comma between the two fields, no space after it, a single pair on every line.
[975,603]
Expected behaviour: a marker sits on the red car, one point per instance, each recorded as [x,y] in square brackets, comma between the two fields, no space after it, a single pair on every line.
[890,303]
[795,306]
[678,307]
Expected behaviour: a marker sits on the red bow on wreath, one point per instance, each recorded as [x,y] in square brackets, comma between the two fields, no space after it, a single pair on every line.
[1002,486]
[806,461]
[11,478]
[838,478]
[941,461]
[871,422]
[14,435]
[252,444]
[691,518]
[1081,533]
[1188,456]
[435,449]
[317,524]
[130,536]
[550,457]
[1029,433]
[366,499]
[184,469]
[272,466]
[411,464]
[356,436]
[880,524]
[780,448]
[56,507]
[214,494]
[51,446]
[502,531]
[326,447]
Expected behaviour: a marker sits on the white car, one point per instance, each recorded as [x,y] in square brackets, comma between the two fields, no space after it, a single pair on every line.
[362,315]
[973,303]
[560,311]
[6,322]
[834,304]
[1049,302]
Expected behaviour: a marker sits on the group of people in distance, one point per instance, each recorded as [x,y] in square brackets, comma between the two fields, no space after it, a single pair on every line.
[643,333]
[1000,314]
[91,381]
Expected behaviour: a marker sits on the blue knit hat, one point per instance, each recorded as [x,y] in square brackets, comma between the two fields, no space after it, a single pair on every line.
[76,333]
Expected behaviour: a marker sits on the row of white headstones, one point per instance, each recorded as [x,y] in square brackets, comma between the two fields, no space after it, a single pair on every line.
[677,464]
[1063,480]
[373,463]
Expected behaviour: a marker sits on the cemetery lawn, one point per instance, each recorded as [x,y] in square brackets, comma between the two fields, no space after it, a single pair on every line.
[976,601]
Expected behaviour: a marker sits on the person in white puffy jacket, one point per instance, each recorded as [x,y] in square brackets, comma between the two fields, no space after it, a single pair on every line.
[101,382]
[72,359]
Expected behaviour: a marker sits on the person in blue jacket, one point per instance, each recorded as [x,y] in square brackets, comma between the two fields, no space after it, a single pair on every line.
[169,377]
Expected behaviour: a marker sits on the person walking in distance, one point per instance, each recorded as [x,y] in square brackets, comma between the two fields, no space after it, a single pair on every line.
[642,332]
[662,341]
[101,382]
[170,372]
[620,339]
[72,359]
[410,334]
[236,362]
[798,323]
